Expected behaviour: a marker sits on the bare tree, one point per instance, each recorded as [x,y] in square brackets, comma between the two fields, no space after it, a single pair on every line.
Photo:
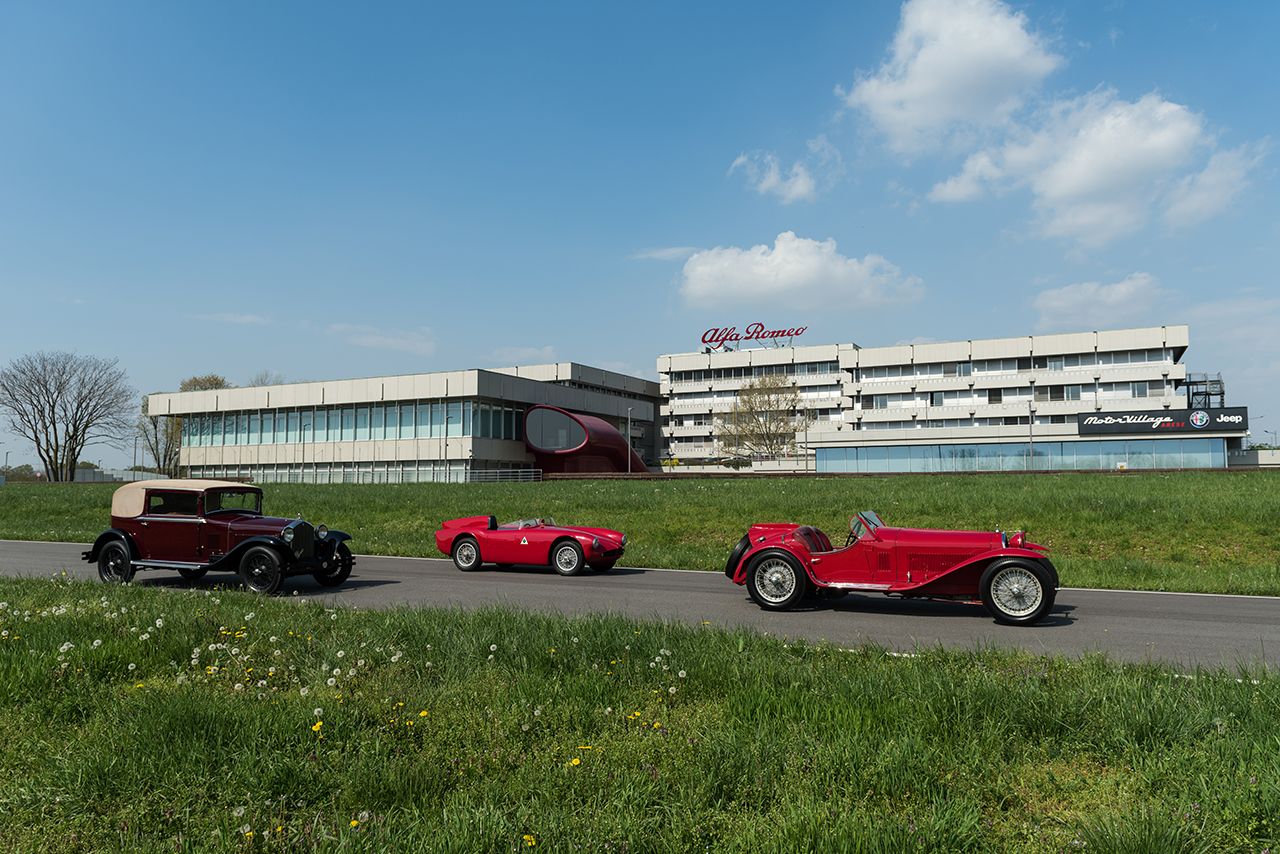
[162,435]
[764,419]
[266,377]
[63,403]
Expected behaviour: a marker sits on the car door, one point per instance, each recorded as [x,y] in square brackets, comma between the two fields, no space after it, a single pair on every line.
[170,526]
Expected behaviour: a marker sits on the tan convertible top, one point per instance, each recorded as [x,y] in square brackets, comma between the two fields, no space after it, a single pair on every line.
[130,500]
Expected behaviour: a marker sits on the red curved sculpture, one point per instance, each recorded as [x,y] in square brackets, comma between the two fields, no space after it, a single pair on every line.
[563,442]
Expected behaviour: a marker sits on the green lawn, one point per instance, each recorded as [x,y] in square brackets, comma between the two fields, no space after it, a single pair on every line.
[159,720]
[1192,531]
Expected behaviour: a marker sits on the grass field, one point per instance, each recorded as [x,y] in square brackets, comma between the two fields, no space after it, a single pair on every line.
[1190,531]
[154,720]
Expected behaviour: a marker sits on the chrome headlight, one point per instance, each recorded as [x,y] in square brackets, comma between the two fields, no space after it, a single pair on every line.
[595,544]
[322,532]
[624,540]
[287,534]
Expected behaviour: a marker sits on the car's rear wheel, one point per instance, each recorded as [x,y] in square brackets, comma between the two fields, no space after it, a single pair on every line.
[114,565]
[261,570]
[192,573]
[339,568]
[466,554]
[566,557]
[1016,592]
[776,581]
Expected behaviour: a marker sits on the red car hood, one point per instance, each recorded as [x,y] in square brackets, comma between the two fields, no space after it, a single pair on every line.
[976,540]
[573,529]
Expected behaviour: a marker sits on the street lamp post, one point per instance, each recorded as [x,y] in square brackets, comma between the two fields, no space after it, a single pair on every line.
[629,440]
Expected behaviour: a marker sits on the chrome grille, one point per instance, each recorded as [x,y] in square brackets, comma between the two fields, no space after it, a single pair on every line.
[304,540]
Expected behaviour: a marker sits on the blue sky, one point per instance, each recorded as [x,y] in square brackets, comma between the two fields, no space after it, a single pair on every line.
[328,191]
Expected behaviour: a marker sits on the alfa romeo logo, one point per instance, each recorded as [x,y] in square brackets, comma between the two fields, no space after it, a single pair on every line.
[1199,419]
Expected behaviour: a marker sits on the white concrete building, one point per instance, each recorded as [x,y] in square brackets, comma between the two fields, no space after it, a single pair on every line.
[1090,400]
[448,425]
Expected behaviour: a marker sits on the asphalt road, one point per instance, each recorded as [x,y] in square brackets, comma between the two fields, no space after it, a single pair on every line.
[1185,629]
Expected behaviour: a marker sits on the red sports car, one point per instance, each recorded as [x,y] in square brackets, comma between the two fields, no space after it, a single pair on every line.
[780,563]
[477,540]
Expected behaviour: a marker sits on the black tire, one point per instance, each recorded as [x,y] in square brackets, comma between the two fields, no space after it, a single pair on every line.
[114,564]
[192,573]
[566,557]
[776,581]
[1017,592]
[466,554]
[261,570]
[339,568]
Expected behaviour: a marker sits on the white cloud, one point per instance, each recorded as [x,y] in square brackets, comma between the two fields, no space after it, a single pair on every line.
[955,65]
[663,253]
[765,175]
[821,168]
[1137,298]
[805,273]
[1204,195]
[238,319]
[1095,165]
[419,342]
[524,355]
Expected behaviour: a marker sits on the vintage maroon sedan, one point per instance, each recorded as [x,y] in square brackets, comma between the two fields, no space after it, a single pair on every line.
[781,563]
[476,540]
[194,526]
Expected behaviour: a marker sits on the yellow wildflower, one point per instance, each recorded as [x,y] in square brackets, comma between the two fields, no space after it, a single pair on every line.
[575,761]
[423,713]
[355,822]
[316,726]
[529,840]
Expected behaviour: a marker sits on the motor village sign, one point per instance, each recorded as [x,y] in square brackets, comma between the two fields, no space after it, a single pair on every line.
[719,337]
[1164,421]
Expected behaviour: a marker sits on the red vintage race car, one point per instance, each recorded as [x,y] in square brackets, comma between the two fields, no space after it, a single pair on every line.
[781,563]
[476,540]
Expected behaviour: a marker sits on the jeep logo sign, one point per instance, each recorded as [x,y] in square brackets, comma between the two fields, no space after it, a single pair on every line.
[1165,421]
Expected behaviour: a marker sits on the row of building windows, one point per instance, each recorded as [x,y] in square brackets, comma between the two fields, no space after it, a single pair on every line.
[410,471]
[1014,365]
[1039,393]
[798,369]
[1107,455]
[422,419]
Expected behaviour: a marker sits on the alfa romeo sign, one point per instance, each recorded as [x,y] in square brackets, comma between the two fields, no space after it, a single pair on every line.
[1165,421]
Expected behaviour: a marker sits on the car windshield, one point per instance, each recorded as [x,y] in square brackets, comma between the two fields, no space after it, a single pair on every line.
[233,501]
[872,519]
[529,523]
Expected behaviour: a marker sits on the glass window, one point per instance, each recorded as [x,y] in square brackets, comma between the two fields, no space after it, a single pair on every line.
[437,419]
[554,431]
[379,427]
[348,416]
[294,426]
[172,503]
[268,428]
[255,428]
[241,500]
[1142,453]
[406,420]
[424,420]
[468,409]
[995,395]
[453,420]
[362,423]
[307,426]
[1056,363]
[518,432]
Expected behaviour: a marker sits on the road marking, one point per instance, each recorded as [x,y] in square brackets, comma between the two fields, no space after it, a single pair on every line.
[1251,596]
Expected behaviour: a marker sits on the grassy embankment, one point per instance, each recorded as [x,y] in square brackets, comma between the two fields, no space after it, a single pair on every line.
[1192,531]
[142,719]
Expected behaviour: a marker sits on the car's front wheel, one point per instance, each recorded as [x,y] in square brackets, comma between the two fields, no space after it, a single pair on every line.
[339,569]
[466,554]
[1016,592]
[114,565]
[566,558]
[192,573]
[261,570]
[776,581]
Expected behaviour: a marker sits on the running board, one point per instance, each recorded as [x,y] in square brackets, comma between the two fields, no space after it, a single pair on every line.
[167,564]
[856,586]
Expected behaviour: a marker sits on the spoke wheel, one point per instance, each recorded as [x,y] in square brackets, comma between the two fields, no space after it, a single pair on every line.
[466,554]
[566,558]
[114,566]
[1017,593]
[339,568]
[776,582]
[260,570]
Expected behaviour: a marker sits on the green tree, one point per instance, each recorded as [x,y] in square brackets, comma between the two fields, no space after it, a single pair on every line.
[764,420]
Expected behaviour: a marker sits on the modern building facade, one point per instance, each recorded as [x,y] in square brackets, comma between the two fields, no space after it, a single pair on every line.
[443,426]
[1090,400]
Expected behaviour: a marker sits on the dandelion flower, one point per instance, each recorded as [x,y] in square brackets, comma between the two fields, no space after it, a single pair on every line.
[529,840]
[331,681]
[493,647]
[423,713]
[355,822]
[681,674]
[318,712]
[316,726]
[575,761]
[238,811]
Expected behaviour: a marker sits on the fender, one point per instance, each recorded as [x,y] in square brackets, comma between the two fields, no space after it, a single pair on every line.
[740,576]
[107,536]
[978,564]
[231,560]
